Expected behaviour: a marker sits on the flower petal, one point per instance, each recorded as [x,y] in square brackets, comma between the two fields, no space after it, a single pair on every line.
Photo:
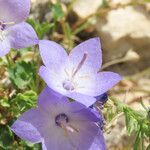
[81,117]
[52,53]
[94,55]
[57,142]
[53,78]
[27,126]
[83,99]
[4,47]
[85,114]
[71,140]
[102,82]
[87,131]
[14,10]
[22,35]
[105,81]
[49,99]
[99,142]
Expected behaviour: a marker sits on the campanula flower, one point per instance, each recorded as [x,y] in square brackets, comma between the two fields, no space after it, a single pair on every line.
[14,33]
[98,106]
[102,98]
[76,75]
[60,124]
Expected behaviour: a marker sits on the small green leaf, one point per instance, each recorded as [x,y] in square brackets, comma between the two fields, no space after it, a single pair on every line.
[4,103]
[6,136]
[57,11]
[131,122]
[22,74]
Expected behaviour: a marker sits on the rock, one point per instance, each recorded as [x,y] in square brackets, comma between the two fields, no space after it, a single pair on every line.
[118,2]
[122,29]
[127,21]
[86,8]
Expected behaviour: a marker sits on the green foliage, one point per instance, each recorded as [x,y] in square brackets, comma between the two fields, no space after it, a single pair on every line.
[25,80]
[41,28]
[105,3]
[6,137]
[22,75]
[137,123]
[57,12]
[147,1]
[23,102]
[12,109]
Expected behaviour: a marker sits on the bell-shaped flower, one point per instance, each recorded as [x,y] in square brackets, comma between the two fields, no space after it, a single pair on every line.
[58,124]
[76,75]
[14,33]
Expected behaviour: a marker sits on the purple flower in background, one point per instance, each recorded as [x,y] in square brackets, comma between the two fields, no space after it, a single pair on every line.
[98,106]
[76,76]
[102,98]
[14,33]
[60,124]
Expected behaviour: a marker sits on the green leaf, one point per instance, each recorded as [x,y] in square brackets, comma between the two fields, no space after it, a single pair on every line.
[4,103]
[137,141]
[6,137]
[41,28]
[22,74]
[57,11]
[131,122]
[25,101]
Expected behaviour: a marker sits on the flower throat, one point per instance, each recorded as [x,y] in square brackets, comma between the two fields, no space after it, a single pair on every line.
[68,84]
[2,28]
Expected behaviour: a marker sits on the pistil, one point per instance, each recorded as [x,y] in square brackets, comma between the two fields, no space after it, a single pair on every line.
[80,64]
[62,121]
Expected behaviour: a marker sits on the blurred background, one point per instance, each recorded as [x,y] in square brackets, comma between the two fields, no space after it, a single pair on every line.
[124,29]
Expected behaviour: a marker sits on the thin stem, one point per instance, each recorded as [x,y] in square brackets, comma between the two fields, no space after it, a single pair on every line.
[113,62]
[38,60]
[8,60]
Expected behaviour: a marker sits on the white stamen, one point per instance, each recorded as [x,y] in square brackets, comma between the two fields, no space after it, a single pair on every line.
[9,23]
[2,35]
[2,29]
[70,128]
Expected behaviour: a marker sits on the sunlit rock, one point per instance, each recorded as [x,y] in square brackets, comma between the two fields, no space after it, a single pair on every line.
[86,8]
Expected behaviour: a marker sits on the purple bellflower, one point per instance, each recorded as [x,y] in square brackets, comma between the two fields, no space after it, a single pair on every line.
[14,33]
[76,76]
[60,124]
[98,106]
[102,98]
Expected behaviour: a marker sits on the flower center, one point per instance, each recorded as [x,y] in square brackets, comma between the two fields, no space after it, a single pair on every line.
[2,29]
[61,119]
[68,85]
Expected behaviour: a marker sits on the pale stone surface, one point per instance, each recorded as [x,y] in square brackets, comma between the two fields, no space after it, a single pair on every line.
[122,29]
[85,8]
[121,2]
[126,21]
